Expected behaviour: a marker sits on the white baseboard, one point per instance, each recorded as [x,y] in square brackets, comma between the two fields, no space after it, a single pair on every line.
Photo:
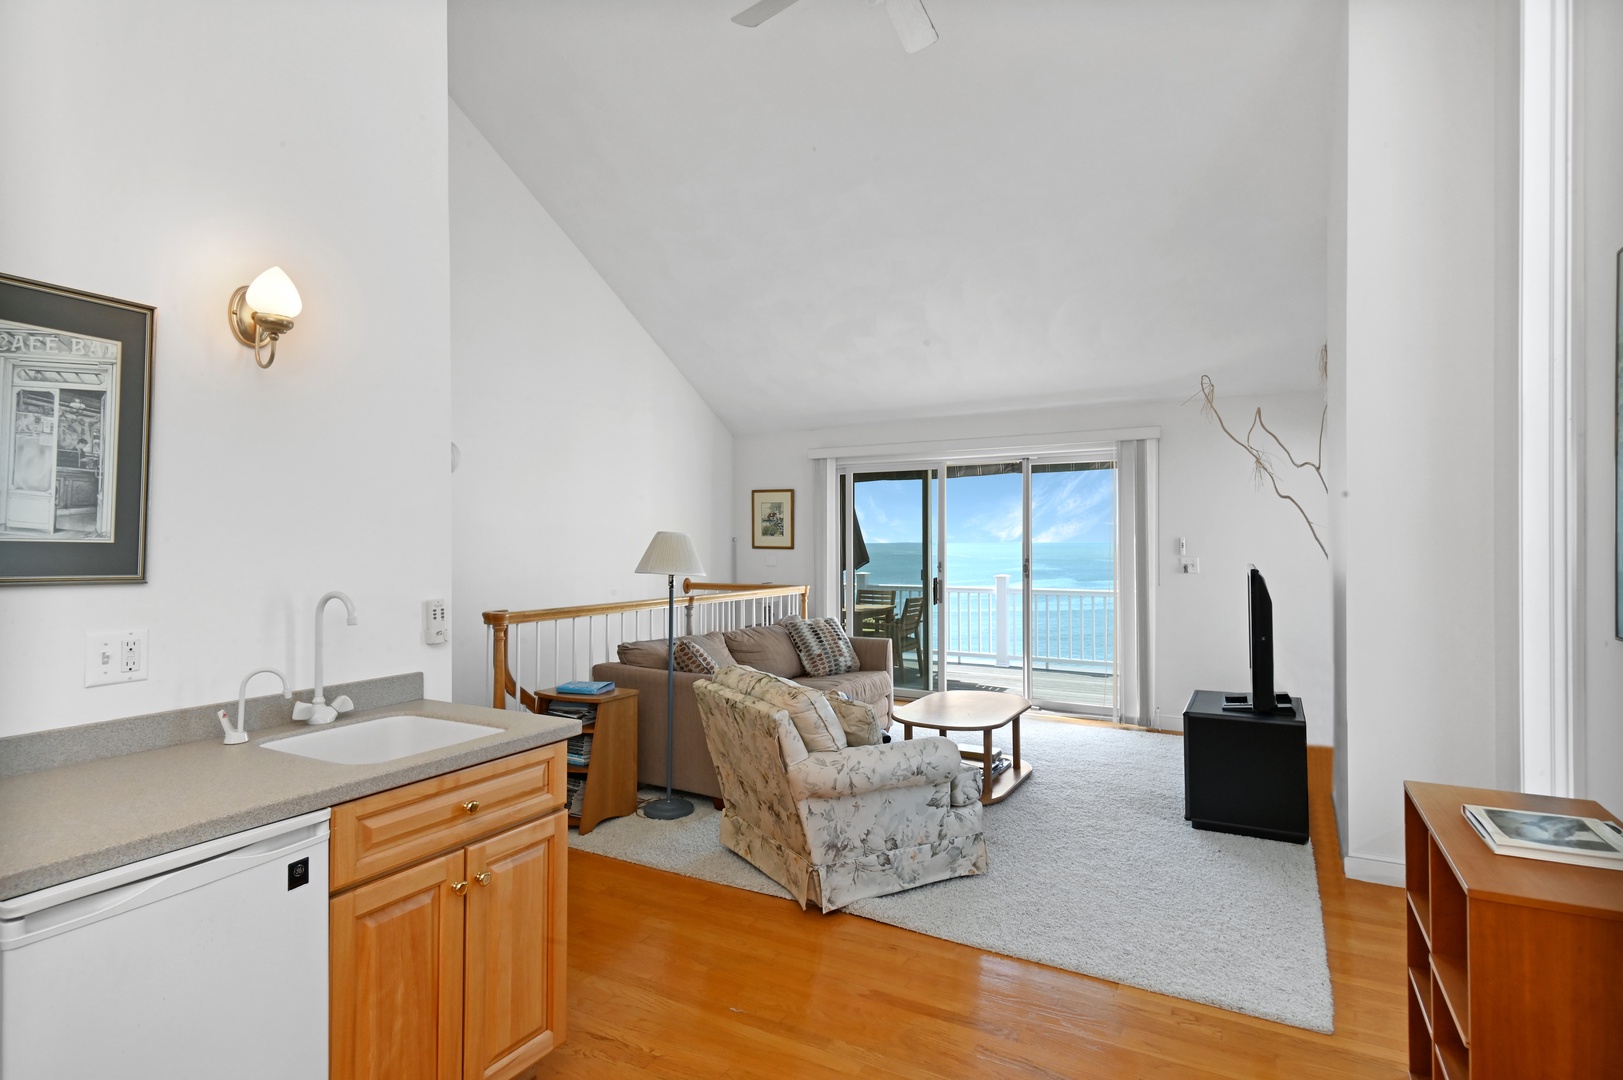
[1374,868]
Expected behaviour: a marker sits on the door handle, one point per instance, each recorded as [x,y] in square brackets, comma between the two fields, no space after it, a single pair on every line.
[482,878]
[460,887]
[935,590]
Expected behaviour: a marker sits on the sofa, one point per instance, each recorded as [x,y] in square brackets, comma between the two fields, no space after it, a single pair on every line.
[819,805]
[642,667]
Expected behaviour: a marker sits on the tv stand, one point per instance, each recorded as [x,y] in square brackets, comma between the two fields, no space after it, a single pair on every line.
[1245,772]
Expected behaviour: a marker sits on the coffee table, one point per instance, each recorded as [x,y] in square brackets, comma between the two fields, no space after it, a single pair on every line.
[974,710]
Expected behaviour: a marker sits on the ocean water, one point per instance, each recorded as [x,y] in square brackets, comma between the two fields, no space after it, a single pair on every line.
[1053,566]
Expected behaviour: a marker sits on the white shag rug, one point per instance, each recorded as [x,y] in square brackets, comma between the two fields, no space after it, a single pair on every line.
[1091,868]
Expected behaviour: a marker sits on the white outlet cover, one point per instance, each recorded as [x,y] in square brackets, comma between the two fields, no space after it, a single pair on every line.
[115,656]
[436,630]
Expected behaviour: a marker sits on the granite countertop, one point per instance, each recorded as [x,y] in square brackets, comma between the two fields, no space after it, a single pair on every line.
[66,822]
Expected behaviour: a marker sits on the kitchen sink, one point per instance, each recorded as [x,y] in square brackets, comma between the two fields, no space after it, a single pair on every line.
[371,742]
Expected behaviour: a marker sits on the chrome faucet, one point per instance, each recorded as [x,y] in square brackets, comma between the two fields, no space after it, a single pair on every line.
[234,735]
[317,711]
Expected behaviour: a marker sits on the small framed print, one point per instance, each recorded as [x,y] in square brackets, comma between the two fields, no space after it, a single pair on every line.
[75,408]
[772,514]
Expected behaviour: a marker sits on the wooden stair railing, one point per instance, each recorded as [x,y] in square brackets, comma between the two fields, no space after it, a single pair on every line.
[503,625]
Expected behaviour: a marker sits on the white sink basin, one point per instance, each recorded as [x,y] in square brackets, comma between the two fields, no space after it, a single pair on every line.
[371,742]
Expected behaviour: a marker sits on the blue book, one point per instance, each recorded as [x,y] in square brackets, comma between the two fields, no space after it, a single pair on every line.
[586,687]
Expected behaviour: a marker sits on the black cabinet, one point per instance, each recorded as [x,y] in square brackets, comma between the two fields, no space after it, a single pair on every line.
[1244,773]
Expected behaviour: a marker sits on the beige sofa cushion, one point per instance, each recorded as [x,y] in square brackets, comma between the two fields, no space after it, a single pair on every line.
[652,653]
[809,710]
[764,648]
[870,686]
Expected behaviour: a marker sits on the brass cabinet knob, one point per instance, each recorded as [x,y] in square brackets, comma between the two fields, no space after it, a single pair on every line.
[460,887]
[471,806]
[483,879]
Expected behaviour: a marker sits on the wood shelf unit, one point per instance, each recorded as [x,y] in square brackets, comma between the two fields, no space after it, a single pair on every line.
[611,772]
[1512,963]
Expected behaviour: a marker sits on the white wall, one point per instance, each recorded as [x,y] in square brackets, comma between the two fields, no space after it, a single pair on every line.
[166,153]
[579,439]
[1424,275]
[1599,102]
[1206,495]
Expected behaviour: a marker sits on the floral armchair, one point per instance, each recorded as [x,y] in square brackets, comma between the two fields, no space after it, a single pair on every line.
[849,817]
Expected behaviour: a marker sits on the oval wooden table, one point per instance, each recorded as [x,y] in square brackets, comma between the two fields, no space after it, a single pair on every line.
[974,710]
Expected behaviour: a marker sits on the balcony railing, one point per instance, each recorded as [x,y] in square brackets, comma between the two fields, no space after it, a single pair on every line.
[1073,629]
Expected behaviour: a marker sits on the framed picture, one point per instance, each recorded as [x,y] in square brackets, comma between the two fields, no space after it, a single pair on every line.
[75,408]
[772,516]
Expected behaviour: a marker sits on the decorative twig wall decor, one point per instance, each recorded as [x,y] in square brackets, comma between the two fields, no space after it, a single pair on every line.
[1262,462]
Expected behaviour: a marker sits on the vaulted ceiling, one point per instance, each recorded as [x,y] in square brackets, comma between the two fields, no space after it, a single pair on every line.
[1058,202]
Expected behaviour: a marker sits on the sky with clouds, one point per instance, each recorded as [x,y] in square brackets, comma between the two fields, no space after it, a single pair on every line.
[1067,507]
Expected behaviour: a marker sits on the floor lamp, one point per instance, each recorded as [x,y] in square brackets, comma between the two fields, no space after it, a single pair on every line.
[670,553]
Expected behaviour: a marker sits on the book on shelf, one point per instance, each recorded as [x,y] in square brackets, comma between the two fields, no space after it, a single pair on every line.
[974,751]
[1554,837]
[586,686]
[580,750]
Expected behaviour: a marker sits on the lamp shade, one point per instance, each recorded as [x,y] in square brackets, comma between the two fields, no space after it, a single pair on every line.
[273,293]
[670,553]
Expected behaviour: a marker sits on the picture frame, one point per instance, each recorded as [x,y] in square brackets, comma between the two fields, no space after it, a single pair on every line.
[772,518]
[75,435]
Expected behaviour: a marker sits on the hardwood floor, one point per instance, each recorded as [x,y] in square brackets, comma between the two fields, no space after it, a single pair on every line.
[674,977]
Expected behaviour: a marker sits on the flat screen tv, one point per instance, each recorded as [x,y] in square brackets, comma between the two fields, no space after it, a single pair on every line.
[1260,618]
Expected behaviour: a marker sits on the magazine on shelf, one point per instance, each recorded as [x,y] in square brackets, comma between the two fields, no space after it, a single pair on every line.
[576,794]
[580,750]
[1554,837]
[573,710]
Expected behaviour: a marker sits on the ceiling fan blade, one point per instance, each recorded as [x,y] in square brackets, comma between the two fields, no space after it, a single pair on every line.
[912,23]
[756,14]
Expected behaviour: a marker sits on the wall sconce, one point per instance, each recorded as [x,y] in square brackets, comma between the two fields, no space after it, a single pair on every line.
[264,311]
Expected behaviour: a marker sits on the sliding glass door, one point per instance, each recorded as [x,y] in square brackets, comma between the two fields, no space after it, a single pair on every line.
[890,541]
[990,575]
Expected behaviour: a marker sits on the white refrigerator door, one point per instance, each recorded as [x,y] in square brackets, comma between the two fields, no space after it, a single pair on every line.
[214,969]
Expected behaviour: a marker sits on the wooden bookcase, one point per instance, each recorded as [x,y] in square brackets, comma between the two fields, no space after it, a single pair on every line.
[1515,966]
[611,773]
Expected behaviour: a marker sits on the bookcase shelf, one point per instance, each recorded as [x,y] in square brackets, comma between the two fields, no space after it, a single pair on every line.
[1512,962]
[611,771]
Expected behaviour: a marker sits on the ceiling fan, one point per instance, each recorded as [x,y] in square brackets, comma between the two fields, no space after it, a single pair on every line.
[912,22]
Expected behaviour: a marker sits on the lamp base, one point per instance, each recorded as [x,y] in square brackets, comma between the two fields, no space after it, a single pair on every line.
[668,809]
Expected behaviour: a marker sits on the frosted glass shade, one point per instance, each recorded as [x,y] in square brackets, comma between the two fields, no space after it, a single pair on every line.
[273,293]
[670,553]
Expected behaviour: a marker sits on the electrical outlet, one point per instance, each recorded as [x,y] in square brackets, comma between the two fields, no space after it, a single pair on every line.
[1188,564]
[435,631]
[115,656]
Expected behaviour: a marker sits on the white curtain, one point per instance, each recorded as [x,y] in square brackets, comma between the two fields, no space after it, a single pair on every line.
[1137,564]
[825,576]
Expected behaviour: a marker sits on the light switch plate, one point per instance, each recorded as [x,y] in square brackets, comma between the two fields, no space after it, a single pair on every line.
[1188,564]
[435,630]
[115,656]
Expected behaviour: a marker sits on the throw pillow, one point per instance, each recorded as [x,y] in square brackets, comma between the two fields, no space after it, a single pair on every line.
[692,657]
[823,647]
[859,719]
[808,709]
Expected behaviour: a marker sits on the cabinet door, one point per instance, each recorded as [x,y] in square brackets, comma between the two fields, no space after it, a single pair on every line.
[397,960]
[514,1003]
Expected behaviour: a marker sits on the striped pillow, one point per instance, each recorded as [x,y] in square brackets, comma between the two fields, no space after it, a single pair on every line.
[823,647]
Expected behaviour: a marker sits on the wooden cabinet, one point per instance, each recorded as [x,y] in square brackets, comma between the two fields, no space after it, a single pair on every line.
[610,775]
[1513,963]
[448,924]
